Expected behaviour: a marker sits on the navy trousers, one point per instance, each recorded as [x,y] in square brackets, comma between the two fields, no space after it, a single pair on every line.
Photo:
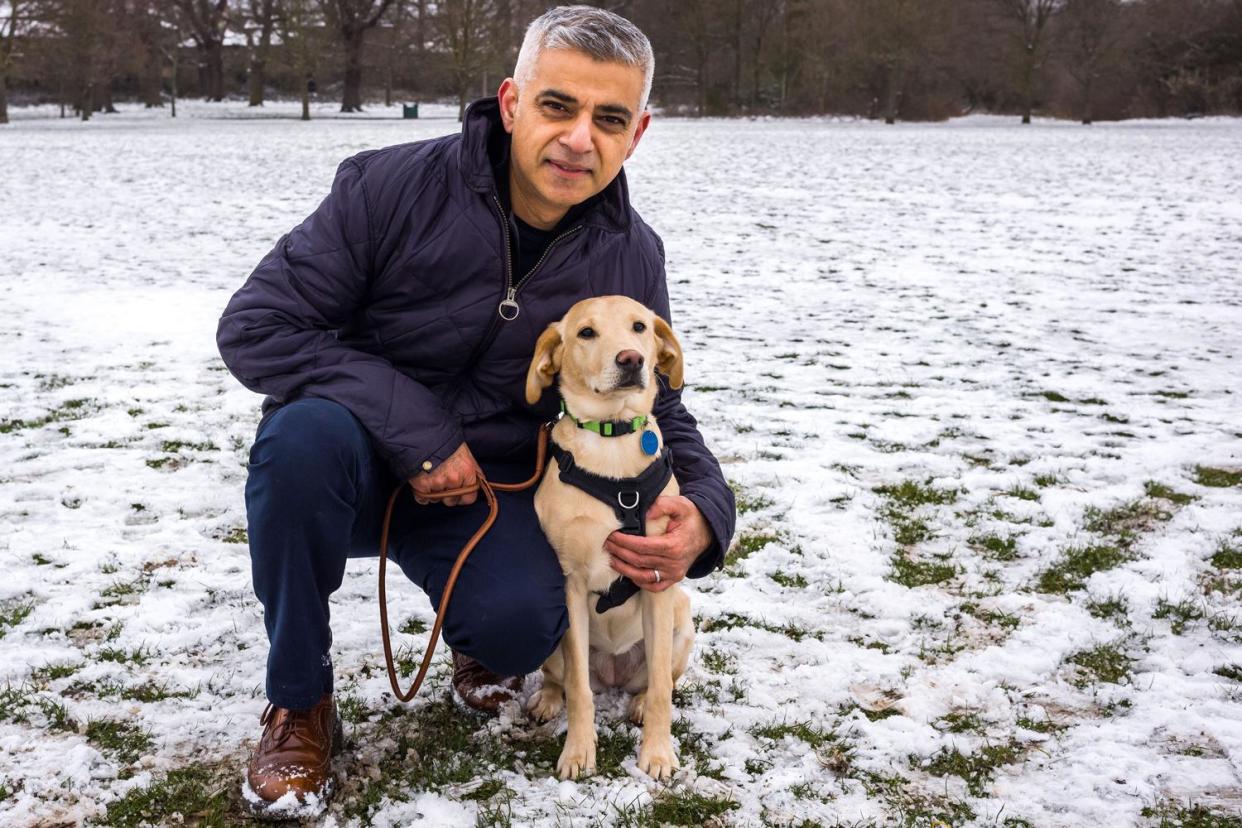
[315,497]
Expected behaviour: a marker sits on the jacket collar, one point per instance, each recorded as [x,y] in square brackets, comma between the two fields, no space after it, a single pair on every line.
[609,210]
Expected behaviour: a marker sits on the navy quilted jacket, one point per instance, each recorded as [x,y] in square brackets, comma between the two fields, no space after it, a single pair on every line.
[385,300]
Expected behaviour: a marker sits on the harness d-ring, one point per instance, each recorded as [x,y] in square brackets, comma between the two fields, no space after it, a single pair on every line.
[624,505]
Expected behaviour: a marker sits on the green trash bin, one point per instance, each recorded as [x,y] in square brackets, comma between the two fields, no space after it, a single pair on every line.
[409,110]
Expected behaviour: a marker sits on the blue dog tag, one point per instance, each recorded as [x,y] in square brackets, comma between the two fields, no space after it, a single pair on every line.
[650,442]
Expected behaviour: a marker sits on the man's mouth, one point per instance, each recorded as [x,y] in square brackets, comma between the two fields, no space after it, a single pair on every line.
[572,170]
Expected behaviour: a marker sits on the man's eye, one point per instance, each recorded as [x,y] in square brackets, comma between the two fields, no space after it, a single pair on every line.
[586,333]
[639,327]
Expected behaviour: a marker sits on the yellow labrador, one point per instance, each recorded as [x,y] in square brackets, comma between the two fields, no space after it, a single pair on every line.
[607,351]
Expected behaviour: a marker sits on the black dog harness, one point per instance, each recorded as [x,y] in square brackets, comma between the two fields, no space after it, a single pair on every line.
[629,497]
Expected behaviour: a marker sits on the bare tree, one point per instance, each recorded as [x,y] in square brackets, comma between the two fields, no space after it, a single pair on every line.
[207,21]
[258,21]
[299,21]
[1028,22]
[352,18]
[1092,32]
[463,28]
[17,23]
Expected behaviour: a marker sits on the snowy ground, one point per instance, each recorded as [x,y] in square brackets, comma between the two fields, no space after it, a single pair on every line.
[977,386]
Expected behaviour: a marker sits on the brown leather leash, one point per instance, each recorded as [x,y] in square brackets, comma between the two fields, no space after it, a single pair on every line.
[489,490]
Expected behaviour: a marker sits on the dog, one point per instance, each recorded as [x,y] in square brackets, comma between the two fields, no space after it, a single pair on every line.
[607,351]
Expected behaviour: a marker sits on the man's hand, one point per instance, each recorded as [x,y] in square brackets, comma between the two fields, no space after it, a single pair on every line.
[458,469]
[671,554]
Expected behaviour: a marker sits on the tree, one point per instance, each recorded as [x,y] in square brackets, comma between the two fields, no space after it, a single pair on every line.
[1092,30]
[1028,23]
[298,24]
[353,18]
[207,21]
[17,23]
[259,21]
[463,28]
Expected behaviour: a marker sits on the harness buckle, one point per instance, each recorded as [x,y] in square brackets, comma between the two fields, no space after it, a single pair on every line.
[621,499]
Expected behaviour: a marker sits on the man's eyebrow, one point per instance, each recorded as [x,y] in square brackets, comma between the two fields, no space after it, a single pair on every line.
[606,109]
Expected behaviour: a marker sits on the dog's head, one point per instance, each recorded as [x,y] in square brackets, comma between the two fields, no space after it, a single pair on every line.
[607,351]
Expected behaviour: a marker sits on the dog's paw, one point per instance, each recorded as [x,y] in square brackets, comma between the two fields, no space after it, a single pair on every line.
[577,757]
[637,703]
[657,759]
[546,704]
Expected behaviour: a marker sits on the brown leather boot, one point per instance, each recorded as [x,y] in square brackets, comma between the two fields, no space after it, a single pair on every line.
[479,688]
[294,755]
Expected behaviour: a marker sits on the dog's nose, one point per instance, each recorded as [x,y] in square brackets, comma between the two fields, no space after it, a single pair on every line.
[630,360]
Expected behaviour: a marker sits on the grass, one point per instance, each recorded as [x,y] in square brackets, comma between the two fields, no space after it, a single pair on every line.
[901,501]
[1190,815]
[14,614]
[1227,556]
[1114,608]
[68,410]
[996,547]
[125,742]
[911,573]
[1159,490]
[1217,478]
[733,620]
[975,769]
[689,808]
[1078,564]
[1126,522]
[803,731]
[747,502]
[1180,614]
[746,544]
[1106,663]
[199,795]
[790,581]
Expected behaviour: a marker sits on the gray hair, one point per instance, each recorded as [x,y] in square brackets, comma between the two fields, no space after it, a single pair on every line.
[597,33]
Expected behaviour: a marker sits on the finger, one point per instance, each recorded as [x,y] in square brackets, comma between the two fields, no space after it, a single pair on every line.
[642,577]
[468,499]
[645,562]
[666,505]
[661,547]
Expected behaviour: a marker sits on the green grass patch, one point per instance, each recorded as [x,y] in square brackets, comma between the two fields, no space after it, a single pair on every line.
[962,721]
[1153,489]
[14,614]
[198,795]
[1113,608]
[996,547]
[68,410]
[976,769]
[1023,493]
[733,620]
[794,581]
[746,544]
[125,742]
[910,806]
[1230,671]
[718,662]
[911,572]
[1077,564]
[1125,523]
[1180,614]
[901,501]
[685,807]
[1107,663]
[747,502]
[1054,396]
[695,748]
[1227,556]
[1217,478]
[1190,815]
[236,535]
[807,732]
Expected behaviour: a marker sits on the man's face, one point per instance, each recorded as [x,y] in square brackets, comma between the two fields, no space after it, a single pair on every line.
[574,123]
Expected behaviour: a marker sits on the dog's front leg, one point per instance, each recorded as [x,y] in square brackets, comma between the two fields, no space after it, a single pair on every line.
[656,756]
[578,755]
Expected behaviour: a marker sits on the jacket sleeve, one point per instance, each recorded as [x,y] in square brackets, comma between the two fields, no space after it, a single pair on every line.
[278,332]
[698,473]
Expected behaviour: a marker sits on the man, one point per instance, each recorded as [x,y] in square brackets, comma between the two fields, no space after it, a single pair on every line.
[392,331]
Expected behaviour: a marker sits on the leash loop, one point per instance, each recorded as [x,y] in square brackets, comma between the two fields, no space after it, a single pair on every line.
[489,490]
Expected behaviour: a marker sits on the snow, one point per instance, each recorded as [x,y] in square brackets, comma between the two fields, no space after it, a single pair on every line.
[859,306]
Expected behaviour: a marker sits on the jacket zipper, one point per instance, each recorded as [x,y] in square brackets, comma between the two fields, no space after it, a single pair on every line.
[511,290]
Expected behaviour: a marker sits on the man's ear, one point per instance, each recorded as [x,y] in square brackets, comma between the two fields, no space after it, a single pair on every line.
[507,96]
[668,361]
[545,365]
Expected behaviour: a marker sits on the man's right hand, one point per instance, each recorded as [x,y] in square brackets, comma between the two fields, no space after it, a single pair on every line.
[459,469]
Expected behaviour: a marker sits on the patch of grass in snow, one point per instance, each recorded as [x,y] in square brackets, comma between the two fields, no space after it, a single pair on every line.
[124,741]
[991,617]
[1158,490]
[1180,613]
[718,662]
[694,747]
[13,614]
[686,807]
[68,410]
[996,547]
[1113,608]
[1106,663]
[1230,671]
[794,581]
[804,731]
[202,795]
[117,655]
[1227,556]
[236,535]
[17,704]
[912,572]
[733,620]
[51,672]
[962,721]
[911,807]
[1190,815]
[1022,493]
[1217,478]
[747,543]
[1043,481]
[902,500]
[975,769]
[1125,523]
[747,502]
[1054,396]
[1076,565]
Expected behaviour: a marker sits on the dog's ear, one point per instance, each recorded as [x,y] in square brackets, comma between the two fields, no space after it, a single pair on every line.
[544,366]
[668,361]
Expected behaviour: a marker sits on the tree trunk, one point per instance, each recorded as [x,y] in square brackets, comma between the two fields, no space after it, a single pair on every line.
[87,104]
[351,101]
[257,80]
[1087,108]
[215,71]
[4,99]
[305,102]
[150,82]
[103,97]
[896,77]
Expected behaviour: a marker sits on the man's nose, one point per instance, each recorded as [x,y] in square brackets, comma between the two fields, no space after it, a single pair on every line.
[630,360]
[578,139]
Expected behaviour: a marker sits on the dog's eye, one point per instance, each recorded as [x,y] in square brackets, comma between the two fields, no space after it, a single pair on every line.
[586,333]
[639,327]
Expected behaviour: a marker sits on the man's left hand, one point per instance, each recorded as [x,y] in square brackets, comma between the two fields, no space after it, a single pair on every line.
[672,554]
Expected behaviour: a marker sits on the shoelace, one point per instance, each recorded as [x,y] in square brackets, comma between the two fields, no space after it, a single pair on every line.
[287,726]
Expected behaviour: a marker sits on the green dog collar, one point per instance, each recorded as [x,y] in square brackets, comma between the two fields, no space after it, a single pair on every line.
[608,428]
